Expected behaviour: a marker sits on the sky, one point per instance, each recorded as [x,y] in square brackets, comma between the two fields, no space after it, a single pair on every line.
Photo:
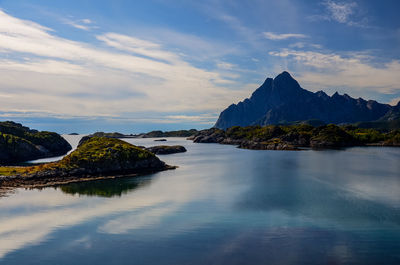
[135,66]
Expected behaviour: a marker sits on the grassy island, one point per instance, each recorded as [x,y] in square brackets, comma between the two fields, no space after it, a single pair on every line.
[96,158]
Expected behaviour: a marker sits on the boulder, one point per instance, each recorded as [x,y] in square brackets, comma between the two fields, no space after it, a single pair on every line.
[166,150]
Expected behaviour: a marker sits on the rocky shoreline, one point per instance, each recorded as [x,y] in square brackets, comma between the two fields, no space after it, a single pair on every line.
[40,181]
[297,137]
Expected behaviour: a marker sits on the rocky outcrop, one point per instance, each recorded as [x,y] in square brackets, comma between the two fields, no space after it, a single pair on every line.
[271,145]
[98,157]
[116,135]
[166,150]
[295,137]
[212,135]
[157,134]
[19,143]
[332,136]
[282,101]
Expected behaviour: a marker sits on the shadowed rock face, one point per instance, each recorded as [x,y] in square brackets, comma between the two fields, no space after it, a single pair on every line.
[19,143]
[282,100]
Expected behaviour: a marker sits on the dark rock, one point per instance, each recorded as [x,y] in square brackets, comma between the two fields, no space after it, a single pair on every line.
[116,135]
[165,149]
[212,135]
[331,136]
[84,139]
[157,134]
[267,145]
[19,143]
[160,140]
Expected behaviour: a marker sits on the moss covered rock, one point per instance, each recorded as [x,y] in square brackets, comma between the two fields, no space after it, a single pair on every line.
[102,154]
[331,136]
[19,143]
[95,158]
[166,149]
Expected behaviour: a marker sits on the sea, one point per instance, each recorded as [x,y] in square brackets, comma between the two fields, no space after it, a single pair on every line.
[222,205]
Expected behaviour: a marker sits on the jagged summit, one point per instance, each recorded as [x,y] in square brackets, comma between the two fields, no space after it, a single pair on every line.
[283,100]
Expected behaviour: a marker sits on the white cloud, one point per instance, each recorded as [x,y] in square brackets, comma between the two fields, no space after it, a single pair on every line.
[275,36]
[83,24]
[225,65]
[354,71]
[43,66]
[49,74]
[301,45]
[87,21]
[340,11]
[394,101]
[202,119]
[138,46]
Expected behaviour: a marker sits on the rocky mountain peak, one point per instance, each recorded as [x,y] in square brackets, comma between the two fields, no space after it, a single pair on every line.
[282,100]
[284,81]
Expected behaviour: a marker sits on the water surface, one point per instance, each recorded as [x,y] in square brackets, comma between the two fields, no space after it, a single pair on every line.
[223,205]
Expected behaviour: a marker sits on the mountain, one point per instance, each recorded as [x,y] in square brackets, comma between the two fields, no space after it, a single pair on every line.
[282,100]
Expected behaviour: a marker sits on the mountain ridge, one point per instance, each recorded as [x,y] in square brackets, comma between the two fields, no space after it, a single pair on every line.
[283,100]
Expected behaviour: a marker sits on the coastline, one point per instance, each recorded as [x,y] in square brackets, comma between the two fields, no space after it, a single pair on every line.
[34,181]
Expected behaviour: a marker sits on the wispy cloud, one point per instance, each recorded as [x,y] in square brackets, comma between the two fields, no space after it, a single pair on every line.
[302,45]
[202,118]
[275,36]
[343,12]
[43,72]
[138,47]
[355,71]
[395,101]
[340,11]
[225,65]
[83,24]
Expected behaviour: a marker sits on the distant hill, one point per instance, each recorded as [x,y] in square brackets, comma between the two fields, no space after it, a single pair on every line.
[157,134]
[282,101]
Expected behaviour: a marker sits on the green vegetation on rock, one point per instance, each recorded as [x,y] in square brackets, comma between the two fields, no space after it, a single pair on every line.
[105,152]
[98,156]
[19,143]
[166,149]
[284,137]
[331,136]
[180,133]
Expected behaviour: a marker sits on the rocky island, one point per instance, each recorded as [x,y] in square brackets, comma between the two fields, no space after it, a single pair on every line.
[166,149]
[19,143]
[295,137]
[158,134]
[95,158]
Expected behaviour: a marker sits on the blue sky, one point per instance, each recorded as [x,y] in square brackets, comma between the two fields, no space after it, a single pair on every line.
[133,66]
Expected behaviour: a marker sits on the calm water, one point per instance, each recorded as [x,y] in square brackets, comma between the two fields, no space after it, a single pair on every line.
[223,205]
